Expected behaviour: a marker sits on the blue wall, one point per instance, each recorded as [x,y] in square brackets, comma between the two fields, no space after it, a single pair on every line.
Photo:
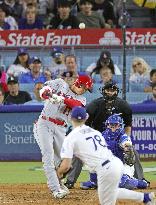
[17,141]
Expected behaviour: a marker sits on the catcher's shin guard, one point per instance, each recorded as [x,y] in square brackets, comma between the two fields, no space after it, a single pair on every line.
[92,184]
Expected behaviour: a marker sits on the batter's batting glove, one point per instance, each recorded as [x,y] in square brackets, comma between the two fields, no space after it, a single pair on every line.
[57,98]
[45,92]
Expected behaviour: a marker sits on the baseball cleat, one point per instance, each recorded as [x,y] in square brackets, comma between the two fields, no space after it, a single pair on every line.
[65,188]
[69,185]
[60,194]
[149,198]
[88,185]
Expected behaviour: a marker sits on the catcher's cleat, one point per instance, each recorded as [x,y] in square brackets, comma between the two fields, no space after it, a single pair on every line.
[149,198]
[60,194]
[88,185]
[69,185]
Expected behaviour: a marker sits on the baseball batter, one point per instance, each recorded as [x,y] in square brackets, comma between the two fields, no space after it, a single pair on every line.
[90,146]
[50,129]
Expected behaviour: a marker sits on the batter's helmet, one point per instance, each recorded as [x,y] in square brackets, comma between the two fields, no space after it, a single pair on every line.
[114,119]
[84,80]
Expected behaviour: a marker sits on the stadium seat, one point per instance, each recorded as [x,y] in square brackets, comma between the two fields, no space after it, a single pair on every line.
[29,87]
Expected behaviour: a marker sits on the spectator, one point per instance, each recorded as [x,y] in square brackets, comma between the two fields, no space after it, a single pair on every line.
[43,8]
[35,74]
[1,96]
[58,65]
[153,98]
[68,77]
[105,7]
[152,81]
[64,20]
[3,84]
[90,18]
[104,61]
[32,21]
[20,64]
[47,74]
[3,13]
[140,71]
[14,8]
[15,96]
[37,99]
[106,74]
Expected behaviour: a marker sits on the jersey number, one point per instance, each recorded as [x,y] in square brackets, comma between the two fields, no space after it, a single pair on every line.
[96,141]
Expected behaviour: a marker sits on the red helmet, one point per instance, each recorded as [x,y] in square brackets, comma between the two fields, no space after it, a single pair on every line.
[84,80]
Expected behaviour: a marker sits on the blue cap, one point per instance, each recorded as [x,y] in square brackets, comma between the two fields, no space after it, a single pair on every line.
[34,59]
[79,113]
[22,51]
[56,51]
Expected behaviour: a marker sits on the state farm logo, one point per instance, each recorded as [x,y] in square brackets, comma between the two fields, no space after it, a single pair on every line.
[132,38]
[109,38]
[49,39]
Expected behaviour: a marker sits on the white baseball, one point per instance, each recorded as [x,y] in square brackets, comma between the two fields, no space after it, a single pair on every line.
[82,25]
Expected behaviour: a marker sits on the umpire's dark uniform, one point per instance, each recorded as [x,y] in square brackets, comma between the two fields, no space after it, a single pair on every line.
[99,113]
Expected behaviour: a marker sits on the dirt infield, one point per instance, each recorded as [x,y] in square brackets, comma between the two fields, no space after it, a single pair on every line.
[38,194]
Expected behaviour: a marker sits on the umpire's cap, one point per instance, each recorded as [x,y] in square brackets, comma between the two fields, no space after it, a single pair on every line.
[79,113]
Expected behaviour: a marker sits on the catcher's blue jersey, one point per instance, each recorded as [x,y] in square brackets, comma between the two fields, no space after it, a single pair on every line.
[113,141]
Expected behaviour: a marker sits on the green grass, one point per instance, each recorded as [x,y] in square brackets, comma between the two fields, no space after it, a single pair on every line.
[24,172]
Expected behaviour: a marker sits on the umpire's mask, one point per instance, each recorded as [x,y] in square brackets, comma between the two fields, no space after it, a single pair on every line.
[110,91]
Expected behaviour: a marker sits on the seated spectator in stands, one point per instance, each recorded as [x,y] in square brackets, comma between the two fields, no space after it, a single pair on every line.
[58,65]
[104,60]
[68,77]
[64,20]
[20,64]
[105,7]
[35,75]
[1,96]
[106,74]
[48,75]
[14,8]
[152,81]
[71,64]
[3,13]
[37,99]
[31,21]
[44,9]
[91,19]
[140,71]
[3,84]
[14,95]
[153,98]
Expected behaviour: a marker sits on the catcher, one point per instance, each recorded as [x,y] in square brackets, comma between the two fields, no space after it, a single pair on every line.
[121,146]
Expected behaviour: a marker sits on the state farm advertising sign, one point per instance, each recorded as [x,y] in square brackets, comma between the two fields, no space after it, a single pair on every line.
[103,37]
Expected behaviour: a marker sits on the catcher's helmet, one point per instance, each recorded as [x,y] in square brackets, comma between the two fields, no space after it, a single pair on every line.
[84,80]
[114,119]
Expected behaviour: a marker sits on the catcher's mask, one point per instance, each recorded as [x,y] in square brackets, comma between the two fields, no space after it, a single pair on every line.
[114,122]
[107,89]
[84,80]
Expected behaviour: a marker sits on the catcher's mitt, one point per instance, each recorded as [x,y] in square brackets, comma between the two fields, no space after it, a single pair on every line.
[129,156]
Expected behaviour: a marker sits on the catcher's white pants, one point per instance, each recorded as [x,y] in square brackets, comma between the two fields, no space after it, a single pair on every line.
[50,138]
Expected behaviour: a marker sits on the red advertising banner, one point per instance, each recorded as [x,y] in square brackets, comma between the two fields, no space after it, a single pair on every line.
[101,37]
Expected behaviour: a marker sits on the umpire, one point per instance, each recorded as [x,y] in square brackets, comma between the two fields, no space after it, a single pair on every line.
[99,110]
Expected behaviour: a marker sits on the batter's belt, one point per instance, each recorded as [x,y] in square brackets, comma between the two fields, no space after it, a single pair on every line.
[55,121]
